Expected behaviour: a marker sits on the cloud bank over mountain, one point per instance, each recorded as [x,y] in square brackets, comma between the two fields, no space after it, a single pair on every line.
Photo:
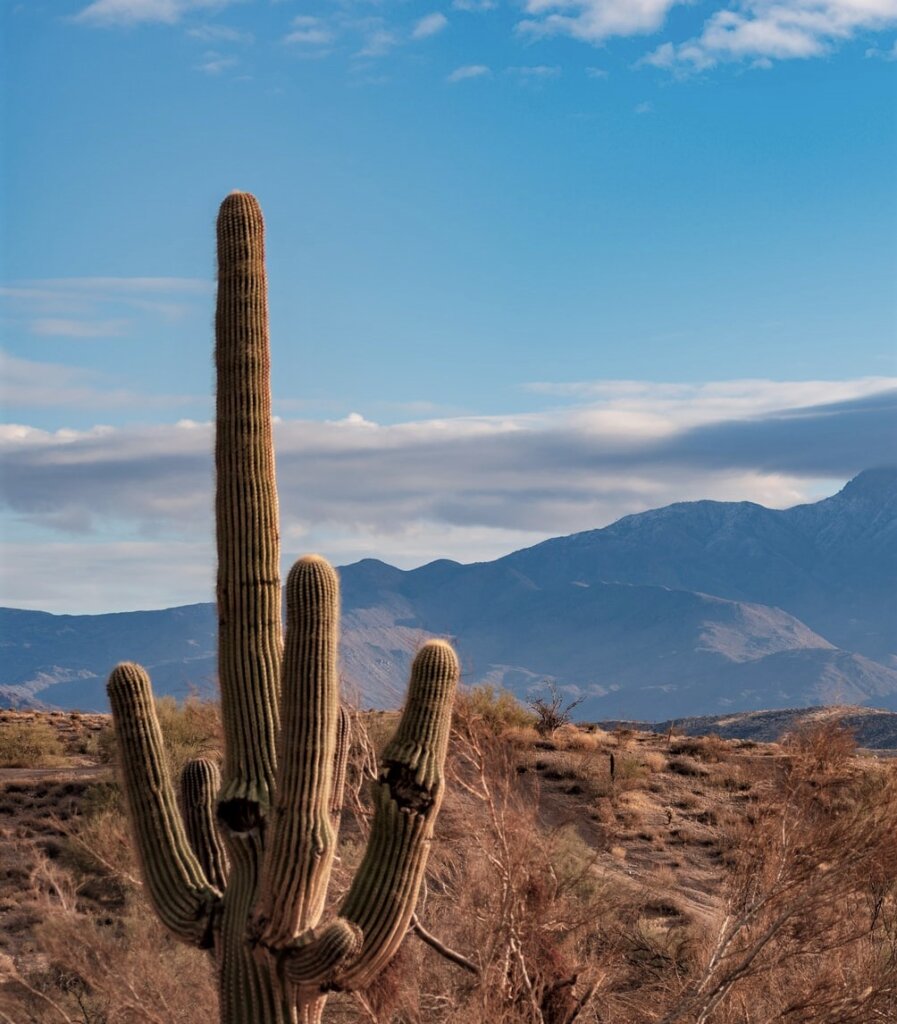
[468,487]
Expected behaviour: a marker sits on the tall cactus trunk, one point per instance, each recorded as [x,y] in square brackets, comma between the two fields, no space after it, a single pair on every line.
[248,592]
[255,900]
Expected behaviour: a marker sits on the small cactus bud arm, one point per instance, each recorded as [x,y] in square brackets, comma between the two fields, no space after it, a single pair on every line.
[407,796]
[298,858]
[317,955]
[200,782]
[246,513]
[182,896]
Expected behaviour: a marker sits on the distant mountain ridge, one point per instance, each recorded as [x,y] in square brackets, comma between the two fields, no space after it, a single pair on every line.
[690,609]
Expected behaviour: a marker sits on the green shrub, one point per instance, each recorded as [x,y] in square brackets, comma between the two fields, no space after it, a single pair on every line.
[30,744]
[498,709]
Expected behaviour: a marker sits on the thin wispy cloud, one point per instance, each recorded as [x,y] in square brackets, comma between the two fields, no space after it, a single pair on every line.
[535,72]
[429,25]
[220,34]
[62,328]
[475,6]
[134,12]
[216,63]
[379,43]
[876,53]
[467,72]
[308,30]
[26,384]
[90,307]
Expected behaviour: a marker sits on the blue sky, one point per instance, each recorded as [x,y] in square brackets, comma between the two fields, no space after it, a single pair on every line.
[520,254]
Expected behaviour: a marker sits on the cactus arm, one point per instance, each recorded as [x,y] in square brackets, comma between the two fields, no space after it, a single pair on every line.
[340,762]
[246,514]
[384,892]
[198,790]
[299,856]
[181,894]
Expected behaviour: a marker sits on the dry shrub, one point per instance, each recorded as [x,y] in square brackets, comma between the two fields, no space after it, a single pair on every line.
[32,743]
[824,745]
[498,709]
[654,761]
[123,971]
[523,902]
[521,736]
[811,910]
[191,729]
[710,749]
[571,737]
[553,710]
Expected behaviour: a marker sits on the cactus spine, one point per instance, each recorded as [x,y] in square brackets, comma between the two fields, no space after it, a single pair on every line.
[244,869]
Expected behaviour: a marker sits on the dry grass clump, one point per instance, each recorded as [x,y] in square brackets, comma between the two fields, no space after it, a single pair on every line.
[709,749]
[524,737]
[31,743]
[572,737]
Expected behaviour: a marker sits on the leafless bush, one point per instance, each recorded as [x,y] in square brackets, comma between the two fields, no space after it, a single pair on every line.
[824,745]
[552,711]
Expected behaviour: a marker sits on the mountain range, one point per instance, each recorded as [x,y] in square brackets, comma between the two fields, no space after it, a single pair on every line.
[696,608]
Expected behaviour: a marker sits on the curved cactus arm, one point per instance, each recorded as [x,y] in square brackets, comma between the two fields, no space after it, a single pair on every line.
[340,763]
[299,855]
[408,794]
[181,894]
[246,515]
[199,786]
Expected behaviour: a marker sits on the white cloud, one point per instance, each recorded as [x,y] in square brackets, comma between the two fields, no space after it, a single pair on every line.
[464,487]
[535,72]
[468,71]
[761,31]
[134,12]
[429,25]
[215,63]
[888,54]
[62,328]
[475,6]
[378,43]
[310,31]
[596,73]
[593,21]
[220,34]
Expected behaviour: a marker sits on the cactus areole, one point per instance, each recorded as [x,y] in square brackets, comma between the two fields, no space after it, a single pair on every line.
[241,867]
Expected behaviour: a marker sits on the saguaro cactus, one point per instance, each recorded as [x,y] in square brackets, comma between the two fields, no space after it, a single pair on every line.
[242,869]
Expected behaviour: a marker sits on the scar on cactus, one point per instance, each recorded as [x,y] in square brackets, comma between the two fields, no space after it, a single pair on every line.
[242,867]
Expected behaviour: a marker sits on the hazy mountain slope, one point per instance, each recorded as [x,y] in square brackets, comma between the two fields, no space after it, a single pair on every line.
[654,616]
[872,728]
[660,650]
[63,660]
[832,564]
